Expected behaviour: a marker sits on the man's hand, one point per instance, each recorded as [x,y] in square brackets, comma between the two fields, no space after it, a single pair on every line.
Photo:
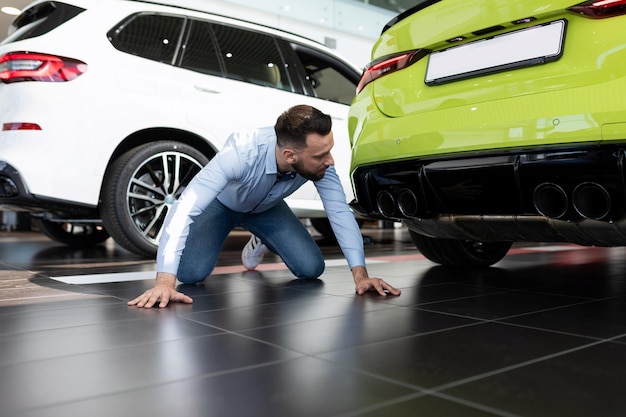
[164,290]
[364,283]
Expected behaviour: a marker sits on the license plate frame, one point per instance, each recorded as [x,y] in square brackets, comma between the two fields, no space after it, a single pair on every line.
[526,47]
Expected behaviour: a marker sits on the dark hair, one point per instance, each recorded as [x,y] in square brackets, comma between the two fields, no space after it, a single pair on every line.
[293,126]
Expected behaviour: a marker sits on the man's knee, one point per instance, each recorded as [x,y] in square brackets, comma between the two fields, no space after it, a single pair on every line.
[191,277]
[311,270]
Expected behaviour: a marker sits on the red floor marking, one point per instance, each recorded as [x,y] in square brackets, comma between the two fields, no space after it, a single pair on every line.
[397,258]
[240,268]
[521,250]
[391,258]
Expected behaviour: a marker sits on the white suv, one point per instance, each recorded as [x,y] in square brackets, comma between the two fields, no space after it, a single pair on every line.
[108,108]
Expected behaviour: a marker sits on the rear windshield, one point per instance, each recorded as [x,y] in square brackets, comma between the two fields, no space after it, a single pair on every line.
[41,19]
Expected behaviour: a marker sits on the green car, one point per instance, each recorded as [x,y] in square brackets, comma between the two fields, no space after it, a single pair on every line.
[480,123]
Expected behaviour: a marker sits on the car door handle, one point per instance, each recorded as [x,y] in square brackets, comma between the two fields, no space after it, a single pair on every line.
[206,89]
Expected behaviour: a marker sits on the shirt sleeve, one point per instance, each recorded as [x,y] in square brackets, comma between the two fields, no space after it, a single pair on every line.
[201,191]
[341,218]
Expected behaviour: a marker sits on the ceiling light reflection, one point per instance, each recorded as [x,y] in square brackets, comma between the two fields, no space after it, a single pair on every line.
[12,11]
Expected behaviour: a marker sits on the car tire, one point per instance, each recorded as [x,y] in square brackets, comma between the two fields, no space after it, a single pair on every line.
[72,234]
[460,253]
[139,188]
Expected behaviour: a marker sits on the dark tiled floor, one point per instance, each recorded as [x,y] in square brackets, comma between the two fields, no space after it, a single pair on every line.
[542,333]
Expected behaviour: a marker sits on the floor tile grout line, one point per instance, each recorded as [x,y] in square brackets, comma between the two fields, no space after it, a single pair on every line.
[408,336]
[458,299]
[482,407]
[254,339]
[79,297]
[502,322]
[417,388]
[547,309]
[436,391]
[317,354]
[186,316]
[421,392]
[47,297]
[586,301]
[533,291]
[447,313]
[556,294]
[521,365]
[271,304]
[474,322]
[163,383]
[220,331]
[312,297]
[523,326]
[380,405]
[112,349]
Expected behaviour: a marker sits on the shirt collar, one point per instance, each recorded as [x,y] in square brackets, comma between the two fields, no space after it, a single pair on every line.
[286,176]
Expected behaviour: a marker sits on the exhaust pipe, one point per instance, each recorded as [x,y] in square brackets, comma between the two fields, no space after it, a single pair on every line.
[386,203]
[550,200]
[591,200]
[407,203]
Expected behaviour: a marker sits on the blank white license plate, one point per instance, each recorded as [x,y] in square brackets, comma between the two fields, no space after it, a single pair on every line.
[522,48]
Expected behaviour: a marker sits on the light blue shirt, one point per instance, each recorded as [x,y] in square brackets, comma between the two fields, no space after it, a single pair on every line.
[242,176]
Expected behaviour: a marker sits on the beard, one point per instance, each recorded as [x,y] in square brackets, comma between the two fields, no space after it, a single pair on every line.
[311,176]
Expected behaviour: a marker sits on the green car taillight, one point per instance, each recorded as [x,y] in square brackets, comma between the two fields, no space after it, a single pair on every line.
[389,64]
[600,9]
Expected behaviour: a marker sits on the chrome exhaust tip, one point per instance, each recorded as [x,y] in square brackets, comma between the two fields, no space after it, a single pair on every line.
[385,203]
[591,200]
[407,203]
[550,200]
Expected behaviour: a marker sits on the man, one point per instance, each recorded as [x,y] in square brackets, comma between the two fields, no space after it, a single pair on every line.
[245,185]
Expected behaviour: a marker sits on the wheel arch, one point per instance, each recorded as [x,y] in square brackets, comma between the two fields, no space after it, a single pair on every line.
[156,134]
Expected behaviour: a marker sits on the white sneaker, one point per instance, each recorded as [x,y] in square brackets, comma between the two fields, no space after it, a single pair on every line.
[252,254]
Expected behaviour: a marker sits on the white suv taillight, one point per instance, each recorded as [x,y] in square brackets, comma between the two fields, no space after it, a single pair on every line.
[31,66]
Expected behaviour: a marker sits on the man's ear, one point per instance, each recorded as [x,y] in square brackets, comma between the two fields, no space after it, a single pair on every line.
[290,155]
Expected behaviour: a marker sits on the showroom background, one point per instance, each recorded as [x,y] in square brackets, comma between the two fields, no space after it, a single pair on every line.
[349,26]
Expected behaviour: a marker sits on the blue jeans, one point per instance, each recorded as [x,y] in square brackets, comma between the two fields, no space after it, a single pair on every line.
[278,228]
